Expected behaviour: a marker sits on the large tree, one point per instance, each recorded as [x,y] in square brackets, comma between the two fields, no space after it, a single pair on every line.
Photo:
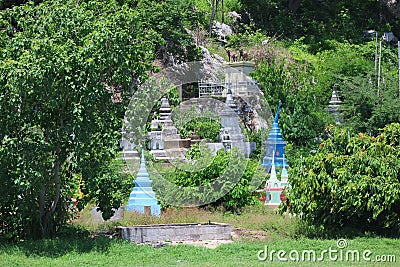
[66,68]
[172,19]
[303,116]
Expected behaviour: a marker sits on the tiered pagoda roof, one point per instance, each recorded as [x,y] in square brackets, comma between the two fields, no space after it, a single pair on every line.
[275,146]
[142,196]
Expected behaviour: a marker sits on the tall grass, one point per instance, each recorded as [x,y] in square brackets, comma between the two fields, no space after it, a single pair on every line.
[258,217]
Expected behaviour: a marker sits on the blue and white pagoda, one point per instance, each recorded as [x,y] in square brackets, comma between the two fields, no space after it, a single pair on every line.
[273,188]
[143,198]
[275,147]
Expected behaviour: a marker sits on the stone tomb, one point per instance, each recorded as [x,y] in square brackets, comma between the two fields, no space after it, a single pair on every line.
[175,232]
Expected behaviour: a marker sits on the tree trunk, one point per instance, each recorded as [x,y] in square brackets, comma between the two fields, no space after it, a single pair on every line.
[212,16]
[46,219]
[42,200]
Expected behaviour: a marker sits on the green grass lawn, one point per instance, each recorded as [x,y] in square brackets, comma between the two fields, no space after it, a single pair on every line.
[103,251]
[77,248]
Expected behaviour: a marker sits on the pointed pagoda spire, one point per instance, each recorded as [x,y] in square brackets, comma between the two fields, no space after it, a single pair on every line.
[274,142]
[334,106]
[142,159]
[284,174]
[277,112]
[165,109]
[275,135]
[142,173]
[273,181]
[273,171]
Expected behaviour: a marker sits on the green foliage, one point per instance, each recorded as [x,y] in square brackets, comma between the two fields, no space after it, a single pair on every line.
[352,181]
[194,152]
[319,20]
[205,128]
[248,38]
[169,19]
[10,3]
[365,107]
[59,70]
[196,185]
[259,137]
[206,125]
[111,187]
[303,116]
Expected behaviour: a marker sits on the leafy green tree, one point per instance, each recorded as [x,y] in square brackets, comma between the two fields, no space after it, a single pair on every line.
[303,114]
[352,181]
[205,128]
[366,108]
[65,72]
[319,20]
[10,3]
[206,125]
[171,20]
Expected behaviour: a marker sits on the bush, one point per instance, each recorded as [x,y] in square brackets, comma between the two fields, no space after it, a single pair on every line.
[350,182]
[214,184]
[205,128]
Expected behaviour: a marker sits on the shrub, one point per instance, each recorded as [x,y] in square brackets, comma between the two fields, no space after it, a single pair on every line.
[187,186]
[350,182]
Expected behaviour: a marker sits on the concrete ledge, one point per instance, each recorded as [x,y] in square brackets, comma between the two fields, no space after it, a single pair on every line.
[175,232]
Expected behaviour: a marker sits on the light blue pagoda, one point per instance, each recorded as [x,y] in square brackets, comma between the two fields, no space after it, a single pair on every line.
[275,147]
[143,198]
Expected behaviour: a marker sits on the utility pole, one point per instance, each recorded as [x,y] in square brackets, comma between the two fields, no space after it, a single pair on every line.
[379,65]
[398,59]
[376,50]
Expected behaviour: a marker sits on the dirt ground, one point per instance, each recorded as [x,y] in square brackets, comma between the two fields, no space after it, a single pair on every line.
[236,234]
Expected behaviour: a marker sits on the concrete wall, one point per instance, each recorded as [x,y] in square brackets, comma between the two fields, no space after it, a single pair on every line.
[175,232]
